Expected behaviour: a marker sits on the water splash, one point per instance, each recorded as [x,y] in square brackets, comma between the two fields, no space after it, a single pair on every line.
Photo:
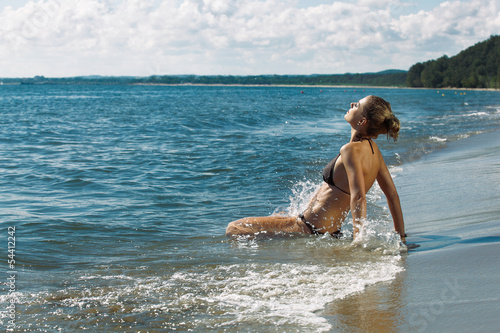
[378,232]
[302,192]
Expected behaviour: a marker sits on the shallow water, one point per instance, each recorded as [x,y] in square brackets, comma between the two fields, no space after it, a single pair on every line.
[120,196]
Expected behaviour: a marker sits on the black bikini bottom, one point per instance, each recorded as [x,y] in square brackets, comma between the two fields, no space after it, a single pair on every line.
[315,231]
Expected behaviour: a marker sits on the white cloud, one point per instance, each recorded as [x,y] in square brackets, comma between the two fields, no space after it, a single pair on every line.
[449,27]
[134,37]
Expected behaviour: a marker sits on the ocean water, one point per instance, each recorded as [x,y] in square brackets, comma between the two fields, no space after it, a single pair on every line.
[120,195]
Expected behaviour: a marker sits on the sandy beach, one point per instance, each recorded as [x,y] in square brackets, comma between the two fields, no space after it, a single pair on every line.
[451,282]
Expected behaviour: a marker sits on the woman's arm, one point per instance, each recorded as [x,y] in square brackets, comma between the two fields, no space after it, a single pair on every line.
[357,187]
[386,183]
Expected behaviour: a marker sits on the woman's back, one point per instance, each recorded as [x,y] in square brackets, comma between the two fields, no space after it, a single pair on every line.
[331,203]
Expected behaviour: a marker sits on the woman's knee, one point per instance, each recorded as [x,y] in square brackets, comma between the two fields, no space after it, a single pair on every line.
[236,228]
[231,229]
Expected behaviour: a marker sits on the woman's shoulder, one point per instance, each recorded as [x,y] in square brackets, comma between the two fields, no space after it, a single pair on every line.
[356,149]
[351,151]
[352,147]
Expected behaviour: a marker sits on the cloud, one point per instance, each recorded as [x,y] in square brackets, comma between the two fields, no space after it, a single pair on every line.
[133,37]
[447,29]
[457,22]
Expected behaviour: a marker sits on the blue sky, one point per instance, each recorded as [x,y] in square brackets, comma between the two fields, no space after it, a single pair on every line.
[234,37]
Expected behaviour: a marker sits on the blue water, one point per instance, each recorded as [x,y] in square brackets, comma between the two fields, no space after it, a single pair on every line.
[120,196]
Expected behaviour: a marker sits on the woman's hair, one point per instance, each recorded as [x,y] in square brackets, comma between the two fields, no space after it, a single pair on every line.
[380,118]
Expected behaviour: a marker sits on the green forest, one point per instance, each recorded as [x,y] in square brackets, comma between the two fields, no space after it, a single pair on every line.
[476,67]
[386,78]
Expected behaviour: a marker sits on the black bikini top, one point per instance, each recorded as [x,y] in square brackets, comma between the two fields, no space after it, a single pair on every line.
[330,169]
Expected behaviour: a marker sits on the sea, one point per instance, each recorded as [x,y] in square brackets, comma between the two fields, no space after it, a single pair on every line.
[115,199]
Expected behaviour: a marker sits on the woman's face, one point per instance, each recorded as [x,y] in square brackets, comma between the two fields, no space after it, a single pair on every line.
[355,113]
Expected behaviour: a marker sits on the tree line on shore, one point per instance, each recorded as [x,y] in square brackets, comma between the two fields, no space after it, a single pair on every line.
[386,78]
[476,67]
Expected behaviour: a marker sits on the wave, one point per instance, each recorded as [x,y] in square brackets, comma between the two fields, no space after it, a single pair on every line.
[262,295]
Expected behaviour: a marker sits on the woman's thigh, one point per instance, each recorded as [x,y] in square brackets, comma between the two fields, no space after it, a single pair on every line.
[267,224]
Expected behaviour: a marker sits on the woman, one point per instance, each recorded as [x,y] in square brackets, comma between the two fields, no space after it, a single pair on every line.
[347,179]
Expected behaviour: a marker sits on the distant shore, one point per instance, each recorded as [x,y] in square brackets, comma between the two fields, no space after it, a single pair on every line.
[265,85]
[306,86]
[245,85]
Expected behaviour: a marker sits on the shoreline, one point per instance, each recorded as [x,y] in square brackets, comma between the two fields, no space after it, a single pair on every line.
[263,85]
[305,86]
[246,85]
[455,270]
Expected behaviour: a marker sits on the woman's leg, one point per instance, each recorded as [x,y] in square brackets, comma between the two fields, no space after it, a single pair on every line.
[269,224]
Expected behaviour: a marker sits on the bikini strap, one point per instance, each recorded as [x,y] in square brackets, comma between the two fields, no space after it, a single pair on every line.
[370,142]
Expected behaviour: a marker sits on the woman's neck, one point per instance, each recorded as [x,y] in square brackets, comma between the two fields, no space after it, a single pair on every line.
[357,136]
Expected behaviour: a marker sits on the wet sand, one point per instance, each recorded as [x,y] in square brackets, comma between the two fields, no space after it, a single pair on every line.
[451,282]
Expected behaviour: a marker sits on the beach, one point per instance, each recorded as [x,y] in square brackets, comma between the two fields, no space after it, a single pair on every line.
[118,198]
[451,282]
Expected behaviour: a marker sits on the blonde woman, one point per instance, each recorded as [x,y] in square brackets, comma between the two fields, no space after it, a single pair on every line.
[347,179]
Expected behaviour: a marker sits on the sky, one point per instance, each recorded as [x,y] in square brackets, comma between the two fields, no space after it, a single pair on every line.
[63,38]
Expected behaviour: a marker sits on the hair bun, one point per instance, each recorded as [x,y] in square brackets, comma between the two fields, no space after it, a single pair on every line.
[393,126]
[381,120]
